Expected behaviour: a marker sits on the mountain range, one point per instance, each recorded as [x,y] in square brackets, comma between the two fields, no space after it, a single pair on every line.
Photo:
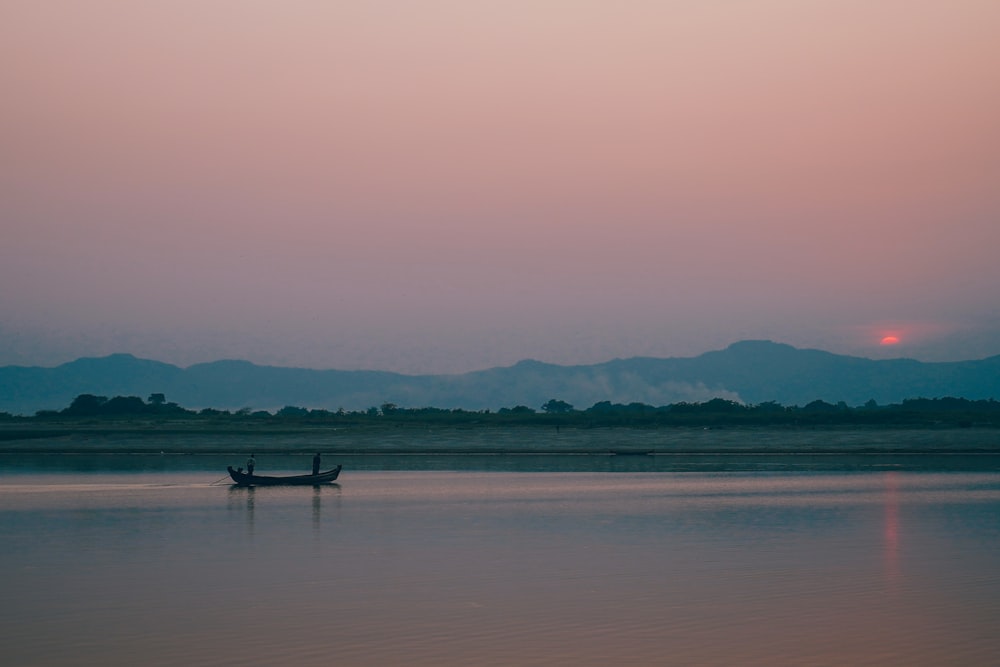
[748,371]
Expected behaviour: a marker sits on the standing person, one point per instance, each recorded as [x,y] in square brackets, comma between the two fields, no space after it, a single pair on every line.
[251,462]
[316,464]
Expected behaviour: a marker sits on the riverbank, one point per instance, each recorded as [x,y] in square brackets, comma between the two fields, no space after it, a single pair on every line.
[198,438]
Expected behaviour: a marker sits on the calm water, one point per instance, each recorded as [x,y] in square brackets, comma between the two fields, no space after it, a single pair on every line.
[433,567]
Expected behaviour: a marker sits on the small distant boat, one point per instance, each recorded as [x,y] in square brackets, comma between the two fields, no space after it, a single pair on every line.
[244,479]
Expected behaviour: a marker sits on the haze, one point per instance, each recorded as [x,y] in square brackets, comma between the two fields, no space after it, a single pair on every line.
[444,186]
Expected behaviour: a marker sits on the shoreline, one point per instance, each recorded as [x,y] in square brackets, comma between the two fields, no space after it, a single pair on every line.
[621,442]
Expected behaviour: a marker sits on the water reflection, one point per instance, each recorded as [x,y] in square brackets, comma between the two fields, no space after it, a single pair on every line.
[319,491]
[892,526]
[317,506]
[244,500]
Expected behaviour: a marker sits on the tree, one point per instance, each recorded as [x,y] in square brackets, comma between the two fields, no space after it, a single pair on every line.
[86,404]
[721,405]
[819,405]
[156,399]
[517,410]
[124,405]
[556,407]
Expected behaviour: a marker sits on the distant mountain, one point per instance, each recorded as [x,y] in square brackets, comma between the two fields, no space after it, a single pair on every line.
[748,371]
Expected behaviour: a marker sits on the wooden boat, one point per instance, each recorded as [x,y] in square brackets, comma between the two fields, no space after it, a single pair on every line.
[244,479]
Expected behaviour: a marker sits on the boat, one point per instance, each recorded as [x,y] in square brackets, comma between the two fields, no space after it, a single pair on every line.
[241,478]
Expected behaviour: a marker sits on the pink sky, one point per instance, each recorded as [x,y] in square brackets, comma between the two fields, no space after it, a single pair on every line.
[443,186]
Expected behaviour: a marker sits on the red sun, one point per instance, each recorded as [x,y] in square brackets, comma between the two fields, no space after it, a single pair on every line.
[889,340]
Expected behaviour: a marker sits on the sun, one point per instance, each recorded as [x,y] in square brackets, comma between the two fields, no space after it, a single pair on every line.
[889,340]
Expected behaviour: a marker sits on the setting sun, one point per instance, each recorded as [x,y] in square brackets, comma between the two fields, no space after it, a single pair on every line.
[890,340]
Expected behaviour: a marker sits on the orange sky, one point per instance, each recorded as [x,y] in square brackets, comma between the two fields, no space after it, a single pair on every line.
[444,186]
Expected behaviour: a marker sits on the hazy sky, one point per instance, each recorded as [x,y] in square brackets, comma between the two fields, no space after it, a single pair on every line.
[449,185]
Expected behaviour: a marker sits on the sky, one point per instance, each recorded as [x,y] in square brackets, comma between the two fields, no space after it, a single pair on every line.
[440,186]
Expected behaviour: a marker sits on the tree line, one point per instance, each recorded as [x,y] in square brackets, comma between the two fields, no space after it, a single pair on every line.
[946,411]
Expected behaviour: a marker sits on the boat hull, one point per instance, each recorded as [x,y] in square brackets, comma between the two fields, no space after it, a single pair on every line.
[241,478]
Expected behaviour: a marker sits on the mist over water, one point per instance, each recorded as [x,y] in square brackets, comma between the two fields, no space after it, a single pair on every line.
[454,567]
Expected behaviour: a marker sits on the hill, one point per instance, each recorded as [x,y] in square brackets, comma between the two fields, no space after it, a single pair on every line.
[748,371]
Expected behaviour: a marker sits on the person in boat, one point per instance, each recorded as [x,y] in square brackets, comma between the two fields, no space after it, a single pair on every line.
[251,463]
[316,464]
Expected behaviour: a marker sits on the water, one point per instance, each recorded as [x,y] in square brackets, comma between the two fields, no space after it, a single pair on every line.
[844,565]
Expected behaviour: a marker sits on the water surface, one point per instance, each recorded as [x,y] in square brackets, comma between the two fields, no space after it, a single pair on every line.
[444,567]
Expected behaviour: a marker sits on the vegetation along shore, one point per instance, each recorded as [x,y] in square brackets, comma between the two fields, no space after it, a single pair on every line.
[99,424]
